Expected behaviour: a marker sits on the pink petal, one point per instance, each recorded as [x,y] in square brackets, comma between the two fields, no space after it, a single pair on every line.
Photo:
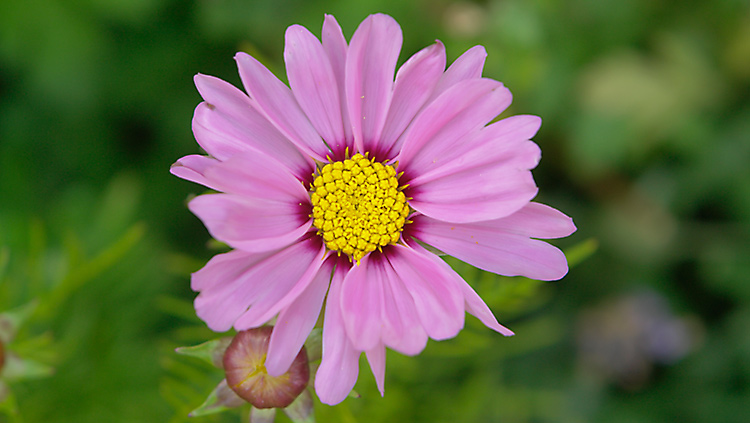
[468,66]
[489,179]
[362,302]
[472,302]
[220,94]
[370,65]
[438,130]
[376,358]
[277,103]
[224,276]
[192,168]
[314,83]
[217,138]
[505,139]
[334,44]
[227,123]
[256,176]
[538,221]
[503,245]
[339,366]
[252,225]
[281,289]
[415,82]
[224,269]
[402,328]
[378,308]
[434,287]
[477,307]
[296,321]
[264,282]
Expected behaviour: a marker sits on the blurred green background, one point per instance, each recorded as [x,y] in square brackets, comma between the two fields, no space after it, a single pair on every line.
[646,144]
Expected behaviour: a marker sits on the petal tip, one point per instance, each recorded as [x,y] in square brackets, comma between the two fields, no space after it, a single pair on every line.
[571,226]
[558,273]
[241,56]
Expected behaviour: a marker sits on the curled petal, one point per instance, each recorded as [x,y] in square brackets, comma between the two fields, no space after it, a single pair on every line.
[192,168]
[376,358]
[478,308]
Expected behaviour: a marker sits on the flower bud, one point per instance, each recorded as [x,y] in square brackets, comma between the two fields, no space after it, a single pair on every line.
[2,356]
[244,366]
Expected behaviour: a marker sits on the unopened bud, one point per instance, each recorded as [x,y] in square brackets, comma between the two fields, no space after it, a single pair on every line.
[244,366]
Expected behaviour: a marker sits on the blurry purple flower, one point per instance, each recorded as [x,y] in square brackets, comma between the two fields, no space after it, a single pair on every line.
[333,186]
[622,339]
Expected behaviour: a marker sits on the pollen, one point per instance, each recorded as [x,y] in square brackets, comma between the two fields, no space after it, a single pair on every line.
[358,206]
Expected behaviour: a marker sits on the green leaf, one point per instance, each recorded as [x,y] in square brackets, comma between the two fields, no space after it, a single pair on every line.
[581,251]
[4,260]
[11,320]
[301,409]
[314,345]
[220,399]
[85,272]
[17,368]
[8,405]
[262,415]
[211,352]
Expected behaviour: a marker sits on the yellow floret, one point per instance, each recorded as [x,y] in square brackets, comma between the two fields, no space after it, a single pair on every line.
[358,206]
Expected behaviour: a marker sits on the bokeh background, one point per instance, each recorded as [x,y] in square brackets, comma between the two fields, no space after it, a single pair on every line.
[646,144]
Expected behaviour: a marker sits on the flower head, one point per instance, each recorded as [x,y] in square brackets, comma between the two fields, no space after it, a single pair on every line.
[330,187]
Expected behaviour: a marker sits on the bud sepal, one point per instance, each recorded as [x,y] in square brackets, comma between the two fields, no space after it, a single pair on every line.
[242,358]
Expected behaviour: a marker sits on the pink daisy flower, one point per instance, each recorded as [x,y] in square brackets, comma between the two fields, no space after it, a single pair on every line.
[329,189]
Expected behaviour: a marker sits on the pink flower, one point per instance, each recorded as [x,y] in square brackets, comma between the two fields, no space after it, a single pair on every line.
[328,189]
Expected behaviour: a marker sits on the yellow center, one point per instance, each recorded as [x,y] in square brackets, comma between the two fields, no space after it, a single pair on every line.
[358,206]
